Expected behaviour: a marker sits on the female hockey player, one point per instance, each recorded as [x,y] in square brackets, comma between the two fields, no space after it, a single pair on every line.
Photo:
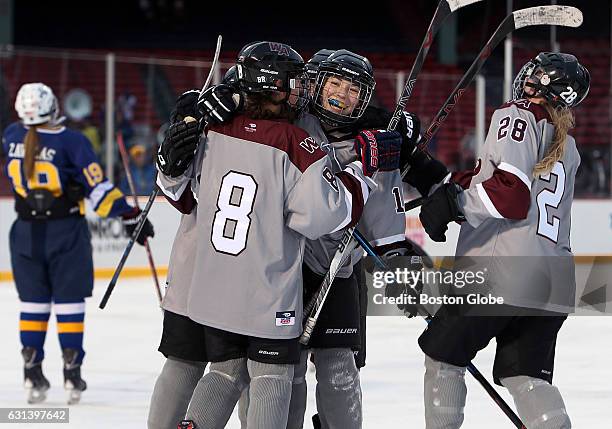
[517,205]
[252,333]
[343,111]
[52,169]
[343,86]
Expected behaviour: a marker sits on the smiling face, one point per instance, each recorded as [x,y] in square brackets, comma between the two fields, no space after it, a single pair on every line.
[339,96]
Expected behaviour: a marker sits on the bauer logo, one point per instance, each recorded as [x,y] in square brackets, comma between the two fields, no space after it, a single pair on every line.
[285,318]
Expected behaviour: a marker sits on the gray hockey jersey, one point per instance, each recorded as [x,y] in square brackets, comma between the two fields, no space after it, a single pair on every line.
[519,222]
[180,265]
[261,187]
[383,220]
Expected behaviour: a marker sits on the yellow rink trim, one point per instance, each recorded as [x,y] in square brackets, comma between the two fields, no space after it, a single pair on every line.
[33,325]
[70,327]
[107,273]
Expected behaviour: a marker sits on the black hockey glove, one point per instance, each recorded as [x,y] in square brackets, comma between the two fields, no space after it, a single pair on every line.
[409,127]
[219,104]
[425,171]
[402,255]
[130,222]
[378,150]
[186,105]
[440,209]
[178,148]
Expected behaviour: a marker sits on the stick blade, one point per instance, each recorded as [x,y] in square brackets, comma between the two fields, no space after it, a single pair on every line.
[458,4]
[566,16]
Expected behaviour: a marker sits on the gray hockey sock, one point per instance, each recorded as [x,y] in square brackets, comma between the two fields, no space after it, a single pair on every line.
[216,394]
[243,408]
[338,388]
[445,393]
[297,407]
[539,403]
[172,392]
[269,395]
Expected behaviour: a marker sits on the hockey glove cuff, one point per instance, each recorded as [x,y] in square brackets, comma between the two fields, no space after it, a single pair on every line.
[424,172]
[378,150]
[440,209]
[130,222]
[186,105]
[219,104]
[178,148]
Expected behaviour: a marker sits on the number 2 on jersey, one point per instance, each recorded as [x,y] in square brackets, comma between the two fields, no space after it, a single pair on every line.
[235,203]
[550,200]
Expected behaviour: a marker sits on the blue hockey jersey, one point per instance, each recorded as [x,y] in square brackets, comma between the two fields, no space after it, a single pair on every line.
[64,155]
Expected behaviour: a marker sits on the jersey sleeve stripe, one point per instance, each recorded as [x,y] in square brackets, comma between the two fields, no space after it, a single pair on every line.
[185,204]
[508,195]
[99,192]
[487,202]
[348,198]
[358,191]
[365,190]
[167,192]
[105,206]
[518,173]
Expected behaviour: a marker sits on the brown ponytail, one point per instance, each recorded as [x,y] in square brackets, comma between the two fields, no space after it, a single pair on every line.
[30,143]
[563,121]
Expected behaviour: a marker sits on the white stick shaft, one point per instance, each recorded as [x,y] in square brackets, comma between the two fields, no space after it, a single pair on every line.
[214,63]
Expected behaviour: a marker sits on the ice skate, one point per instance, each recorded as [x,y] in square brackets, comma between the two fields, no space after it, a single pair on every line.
[73,383]
[34,381]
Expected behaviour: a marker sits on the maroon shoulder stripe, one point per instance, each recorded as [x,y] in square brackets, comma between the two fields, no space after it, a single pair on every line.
[538,110]
[302,149]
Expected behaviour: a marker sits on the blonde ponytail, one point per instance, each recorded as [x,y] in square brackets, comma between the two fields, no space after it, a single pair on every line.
[563,121]
[30,143]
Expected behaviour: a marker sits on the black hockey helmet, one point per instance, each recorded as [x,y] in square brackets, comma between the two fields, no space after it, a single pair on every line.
[231,76]
[557,77]
[272,66]
[312,66]
[340,66]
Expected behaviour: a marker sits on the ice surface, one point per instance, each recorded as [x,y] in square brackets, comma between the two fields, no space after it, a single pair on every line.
[122,364]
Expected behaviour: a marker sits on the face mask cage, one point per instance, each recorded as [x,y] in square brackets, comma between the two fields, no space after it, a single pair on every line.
[518,86]
[299,95]
[339,99]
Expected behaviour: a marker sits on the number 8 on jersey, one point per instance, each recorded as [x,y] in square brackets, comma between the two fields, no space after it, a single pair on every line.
[235,203]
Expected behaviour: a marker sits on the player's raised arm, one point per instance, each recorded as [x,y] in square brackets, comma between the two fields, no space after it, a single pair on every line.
[321,202]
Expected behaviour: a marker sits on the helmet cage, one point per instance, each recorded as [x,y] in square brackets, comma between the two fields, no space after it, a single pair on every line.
[335,119]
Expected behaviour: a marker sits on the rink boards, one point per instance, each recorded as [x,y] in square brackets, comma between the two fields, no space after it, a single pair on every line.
[591,236]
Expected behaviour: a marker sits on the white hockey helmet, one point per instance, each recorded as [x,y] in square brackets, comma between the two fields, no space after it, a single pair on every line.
[36,104]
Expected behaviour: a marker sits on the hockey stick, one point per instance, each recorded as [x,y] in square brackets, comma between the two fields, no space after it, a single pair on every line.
[428,318]
[444,10]
[347,244]
[128,249]
[130,179]
[566,16]
[145,212]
